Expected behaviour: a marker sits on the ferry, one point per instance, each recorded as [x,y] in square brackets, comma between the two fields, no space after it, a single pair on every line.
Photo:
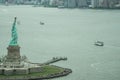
[99,43]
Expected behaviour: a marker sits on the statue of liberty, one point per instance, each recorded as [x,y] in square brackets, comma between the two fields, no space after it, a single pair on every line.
[14,34]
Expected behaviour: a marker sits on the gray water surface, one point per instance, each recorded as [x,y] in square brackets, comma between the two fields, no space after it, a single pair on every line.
[68,33]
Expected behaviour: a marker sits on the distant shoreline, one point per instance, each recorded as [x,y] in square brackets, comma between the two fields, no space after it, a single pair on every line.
[1,4]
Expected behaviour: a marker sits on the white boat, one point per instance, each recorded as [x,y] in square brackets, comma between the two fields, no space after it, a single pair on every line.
[99,43]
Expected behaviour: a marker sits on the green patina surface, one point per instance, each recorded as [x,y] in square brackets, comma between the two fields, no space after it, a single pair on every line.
[14,34]
[47,70]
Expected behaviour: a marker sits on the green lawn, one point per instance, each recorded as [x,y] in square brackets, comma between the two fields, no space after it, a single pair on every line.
[48,70]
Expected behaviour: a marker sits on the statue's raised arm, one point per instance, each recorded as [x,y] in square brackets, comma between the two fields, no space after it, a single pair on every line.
[14,34]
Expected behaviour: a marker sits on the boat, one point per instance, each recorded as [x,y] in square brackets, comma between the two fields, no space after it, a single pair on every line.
[99,43]
[42,23]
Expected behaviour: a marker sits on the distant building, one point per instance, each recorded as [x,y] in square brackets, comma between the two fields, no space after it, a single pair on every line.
[45,3]
[88,2]
[53,3]
[65,3]
[10,1]
[111,3]
[1,1]
[61,3]
[94,3]
[81,3]
[104,3]
[29,2]
[71,4]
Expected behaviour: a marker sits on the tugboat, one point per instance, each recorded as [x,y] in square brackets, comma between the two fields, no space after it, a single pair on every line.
[99,43]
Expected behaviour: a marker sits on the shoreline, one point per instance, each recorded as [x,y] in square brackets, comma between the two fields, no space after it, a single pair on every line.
[64,72]
[57,75]
[96,8]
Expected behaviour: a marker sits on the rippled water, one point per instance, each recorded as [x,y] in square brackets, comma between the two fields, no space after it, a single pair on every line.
[68,33]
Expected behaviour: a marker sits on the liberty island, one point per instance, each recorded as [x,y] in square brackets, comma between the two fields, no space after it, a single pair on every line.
[14,66]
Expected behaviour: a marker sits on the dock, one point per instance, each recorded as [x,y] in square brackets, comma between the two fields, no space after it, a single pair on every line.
[55,59]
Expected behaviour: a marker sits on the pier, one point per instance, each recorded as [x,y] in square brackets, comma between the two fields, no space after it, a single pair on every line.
[54,59]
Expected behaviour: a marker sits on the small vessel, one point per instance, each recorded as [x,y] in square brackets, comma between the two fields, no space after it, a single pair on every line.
[18,22]
[42,23]
[99,43]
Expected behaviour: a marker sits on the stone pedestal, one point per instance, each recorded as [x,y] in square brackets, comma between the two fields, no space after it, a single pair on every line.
[13,58]
[13,54]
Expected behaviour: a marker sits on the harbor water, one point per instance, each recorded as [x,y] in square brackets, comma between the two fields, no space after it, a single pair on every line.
[67,33]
